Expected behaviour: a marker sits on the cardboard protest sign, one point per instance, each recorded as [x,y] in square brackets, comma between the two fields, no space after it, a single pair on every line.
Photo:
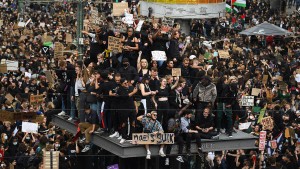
[267,123]
[114,44]
[247,100]
[36,99]
[28,127]
[159,55]
[21,24]
[1,23]
[12,65]
[262,140]
[282,86]
[176,72]
[47,38]
[119,8]
[150,138]
[255,91]
[58,50]
[9,97]
[49,76]
[3,68]
[69,38]
[223,54]
[51,159]
[265,79]
[244,126]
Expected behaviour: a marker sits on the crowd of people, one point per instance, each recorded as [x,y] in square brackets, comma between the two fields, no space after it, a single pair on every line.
[115,94]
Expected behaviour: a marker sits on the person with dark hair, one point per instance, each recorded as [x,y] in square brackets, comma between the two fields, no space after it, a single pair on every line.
[129,72]
[89,125]
[130,47]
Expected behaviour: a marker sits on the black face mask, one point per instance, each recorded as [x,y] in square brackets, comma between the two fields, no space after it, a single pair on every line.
[125,65]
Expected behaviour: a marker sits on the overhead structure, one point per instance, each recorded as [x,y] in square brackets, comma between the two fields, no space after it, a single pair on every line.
[266,29]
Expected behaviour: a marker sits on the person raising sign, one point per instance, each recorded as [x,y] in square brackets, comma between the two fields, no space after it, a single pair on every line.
[151,125]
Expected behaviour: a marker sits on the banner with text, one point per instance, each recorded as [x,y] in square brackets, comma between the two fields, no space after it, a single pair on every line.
[150,138]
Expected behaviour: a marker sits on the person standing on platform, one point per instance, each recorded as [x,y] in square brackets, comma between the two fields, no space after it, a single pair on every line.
[151,125]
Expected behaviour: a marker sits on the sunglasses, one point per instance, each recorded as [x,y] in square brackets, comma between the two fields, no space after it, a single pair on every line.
[155,115]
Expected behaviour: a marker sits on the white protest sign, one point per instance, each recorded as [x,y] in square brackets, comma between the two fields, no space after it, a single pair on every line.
[139,25]
[27,74]
[29,127]
[12,65]
[248,101]
[244,126]
[150,138]
[159,55]
[128,19]
[21,24]
[29,20]
[262,140]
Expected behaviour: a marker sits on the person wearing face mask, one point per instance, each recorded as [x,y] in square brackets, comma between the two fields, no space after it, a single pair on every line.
[4,139]
[129,72]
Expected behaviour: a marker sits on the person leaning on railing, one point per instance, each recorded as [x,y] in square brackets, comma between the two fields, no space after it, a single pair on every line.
[151,125]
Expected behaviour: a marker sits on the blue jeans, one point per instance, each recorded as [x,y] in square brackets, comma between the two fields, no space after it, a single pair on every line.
[99,104]
[93,106]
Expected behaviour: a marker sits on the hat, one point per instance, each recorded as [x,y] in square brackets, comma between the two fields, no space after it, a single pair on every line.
[192,57]
[297,77]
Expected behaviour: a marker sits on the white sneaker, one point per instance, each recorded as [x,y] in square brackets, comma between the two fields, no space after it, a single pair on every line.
[148,157]
[180,159]
[119,138]
[86,148]
[70,119]
[62,113]
[167,161]
[161,153]
[116,134]
[122,141]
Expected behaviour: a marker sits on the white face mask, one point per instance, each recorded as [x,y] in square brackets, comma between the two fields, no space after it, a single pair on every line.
[5,137]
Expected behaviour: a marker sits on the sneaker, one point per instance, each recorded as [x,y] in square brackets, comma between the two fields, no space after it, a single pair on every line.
[62,113]
[167,161]
[230,134]
[161,153]
[215,137]
[70,119]
[148,157]
[222,131]
[98,131]
[180,159]
[116,134]
[86,148]
[82,140]
[122,141]
[119,138]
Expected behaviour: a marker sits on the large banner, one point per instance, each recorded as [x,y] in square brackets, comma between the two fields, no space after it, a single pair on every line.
[150,138]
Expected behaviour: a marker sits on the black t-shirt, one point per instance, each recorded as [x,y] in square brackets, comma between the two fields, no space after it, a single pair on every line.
[104,90]
[124,101]
[91,117]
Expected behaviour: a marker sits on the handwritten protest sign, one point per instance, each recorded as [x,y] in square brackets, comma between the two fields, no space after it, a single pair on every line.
[244,126]
[114,44]
[139,25]
[159,55]
[267,123]
[9,97]
[247,100]
[224,54]
[36,99]
[95,20]
[3,68]
[255,91]
[51,159]
[69,38]
[262,140]
[58,50]
[176,72]
[150,138]
[49,76]
[29,127]
[119,8]
[12,65]
[1,23]
[265,79]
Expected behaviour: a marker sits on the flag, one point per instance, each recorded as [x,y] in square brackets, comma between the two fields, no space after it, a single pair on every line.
[241,3]
[228,8]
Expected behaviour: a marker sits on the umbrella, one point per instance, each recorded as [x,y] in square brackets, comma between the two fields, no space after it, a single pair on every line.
[265,29]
